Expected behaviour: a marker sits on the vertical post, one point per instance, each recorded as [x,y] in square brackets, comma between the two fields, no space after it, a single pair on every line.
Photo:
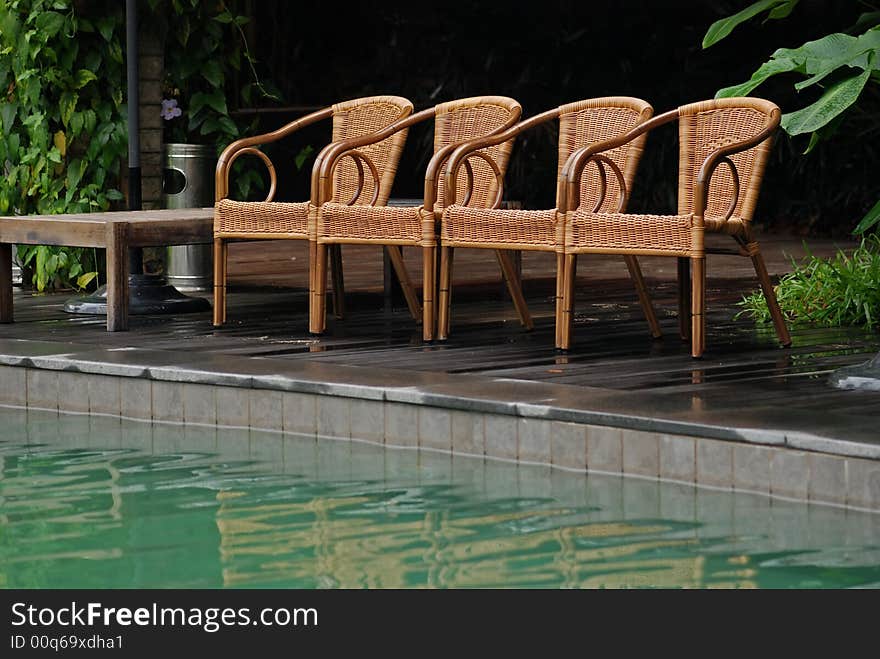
[134,141]
[117,276]
[5,283]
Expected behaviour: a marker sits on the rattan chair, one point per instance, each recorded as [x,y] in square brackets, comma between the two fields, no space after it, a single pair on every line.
[393,227]
[272,220]
[735,132]
[580,124]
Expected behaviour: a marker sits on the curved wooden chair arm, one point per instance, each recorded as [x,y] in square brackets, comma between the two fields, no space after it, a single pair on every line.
[247,145]
[329,157]
[573,169]
[435,166]
[465,150]
[722,154]
[359,158]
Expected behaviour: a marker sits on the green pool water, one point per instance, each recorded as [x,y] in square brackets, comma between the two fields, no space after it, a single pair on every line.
[95,503]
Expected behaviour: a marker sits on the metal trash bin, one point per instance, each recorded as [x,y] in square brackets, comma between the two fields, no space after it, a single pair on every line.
[188,182]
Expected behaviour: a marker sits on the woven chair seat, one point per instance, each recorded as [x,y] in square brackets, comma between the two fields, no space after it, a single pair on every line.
[498,227]
[382,224]
[624,231]
[261,217]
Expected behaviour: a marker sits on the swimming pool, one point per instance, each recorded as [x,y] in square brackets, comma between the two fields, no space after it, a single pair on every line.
[92,502]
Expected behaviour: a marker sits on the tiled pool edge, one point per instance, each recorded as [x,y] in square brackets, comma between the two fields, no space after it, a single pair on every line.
[806,469]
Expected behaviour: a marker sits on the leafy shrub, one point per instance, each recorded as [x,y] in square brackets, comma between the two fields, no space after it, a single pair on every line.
[63,122]
[842,290]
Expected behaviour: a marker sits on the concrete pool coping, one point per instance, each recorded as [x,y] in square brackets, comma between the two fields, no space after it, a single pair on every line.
[802,457]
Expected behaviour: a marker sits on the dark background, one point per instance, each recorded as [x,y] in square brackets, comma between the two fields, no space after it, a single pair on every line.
[548,53]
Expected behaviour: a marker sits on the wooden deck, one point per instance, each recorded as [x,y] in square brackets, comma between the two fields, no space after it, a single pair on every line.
[743,367]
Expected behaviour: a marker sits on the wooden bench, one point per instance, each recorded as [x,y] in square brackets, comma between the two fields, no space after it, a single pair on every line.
[114,231]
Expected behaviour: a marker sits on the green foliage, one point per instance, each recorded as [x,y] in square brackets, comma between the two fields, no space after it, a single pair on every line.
[721,28]
[207,61]
[63,121]
[842,64]
[835,291]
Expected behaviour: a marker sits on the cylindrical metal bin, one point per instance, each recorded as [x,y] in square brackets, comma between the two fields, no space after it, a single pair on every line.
[188,182]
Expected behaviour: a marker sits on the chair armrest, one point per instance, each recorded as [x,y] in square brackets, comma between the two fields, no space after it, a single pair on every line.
[722,154]
[247,145]
[464,151]
[329,157]
[569,187]
[432,173]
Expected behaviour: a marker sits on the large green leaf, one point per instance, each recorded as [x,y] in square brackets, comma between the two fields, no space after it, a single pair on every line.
[765,71]
[721,28]
[871,218]
[853,55]
[835,100]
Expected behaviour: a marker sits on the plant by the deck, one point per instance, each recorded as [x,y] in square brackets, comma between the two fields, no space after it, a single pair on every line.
[208,66]
[842,65]
[63,122]
[836,291]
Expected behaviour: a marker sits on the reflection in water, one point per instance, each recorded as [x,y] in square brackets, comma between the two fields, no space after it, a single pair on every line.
[92,503]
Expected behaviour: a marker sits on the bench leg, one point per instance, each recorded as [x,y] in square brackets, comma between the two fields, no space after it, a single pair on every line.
[5,283]
[117,277]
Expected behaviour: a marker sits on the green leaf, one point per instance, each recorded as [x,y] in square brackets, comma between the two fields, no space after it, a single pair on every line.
[49,23]
[183,31]
[85,279]
[871,218]
[765,71]
[106,26]
[301,157]
[67,105]
[852,54]
[83,77]
[40,267]
[7,115]
[75,171]
[783,10]
[90,119]
[212,72]
[228,126]
[867,19]
[721,28]
[835,100]
[76,124]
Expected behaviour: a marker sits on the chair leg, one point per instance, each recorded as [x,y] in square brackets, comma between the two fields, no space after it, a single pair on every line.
[560,285]
[406,283]
[313,261]
[338,283]
[514,287]
[429,285]
[318,308]
[698,307]
[635,273]
[769,294]
[444,299]
[684,299]
[565,314]
[220,256]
